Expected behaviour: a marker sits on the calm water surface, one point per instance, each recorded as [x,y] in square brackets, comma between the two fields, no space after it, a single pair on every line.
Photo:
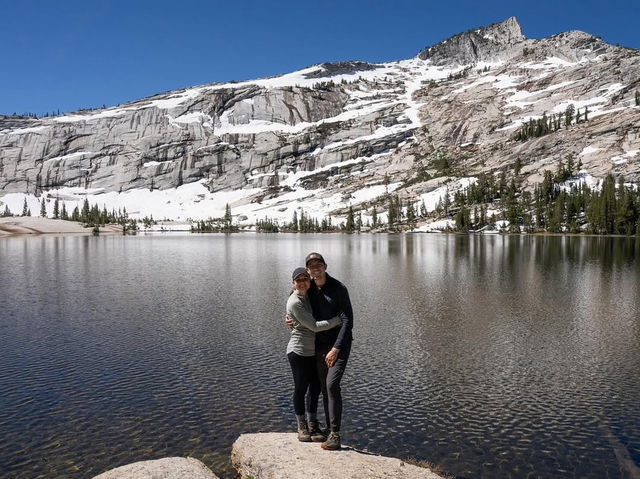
[489,356]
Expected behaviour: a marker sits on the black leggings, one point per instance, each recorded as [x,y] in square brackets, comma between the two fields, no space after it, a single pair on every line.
[305,376]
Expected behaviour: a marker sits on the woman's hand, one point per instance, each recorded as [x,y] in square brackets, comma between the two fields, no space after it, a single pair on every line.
[331,357]
[289,321]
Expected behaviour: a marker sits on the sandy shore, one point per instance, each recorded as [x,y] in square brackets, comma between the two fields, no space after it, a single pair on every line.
[35,225]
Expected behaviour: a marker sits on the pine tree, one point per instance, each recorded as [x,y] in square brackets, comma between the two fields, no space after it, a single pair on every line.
[568,114]
[391,215]
[463,220]
[548,187]
[517,167]
[350,225]
[84,216]
[554,212]
[43,208]
[483,216]
[56,208]
[94,215]
[446,202]
[539,207]
[374,218]
[227,218]
[6,212]
[399,209]
[64,215]
[25,207]
[603,207]
[625,215]
[411,213]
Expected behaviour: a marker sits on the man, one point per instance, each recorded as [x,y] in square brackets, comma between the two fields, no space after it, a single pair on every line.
[330,298]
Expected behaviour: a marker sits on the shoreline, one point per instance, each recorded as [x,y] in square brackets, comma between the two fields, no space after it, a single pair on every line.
[17,226]
[280,455]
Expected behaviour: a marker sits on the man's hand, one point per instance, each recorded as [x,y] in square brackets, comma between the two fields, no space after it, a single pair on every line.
[289,322]
[331,357]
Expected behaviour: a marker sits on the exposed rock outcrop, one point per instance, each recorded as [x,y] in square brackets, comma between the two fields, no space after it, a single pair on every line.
[282,456]
[166,468]
[340,68]
[495,42]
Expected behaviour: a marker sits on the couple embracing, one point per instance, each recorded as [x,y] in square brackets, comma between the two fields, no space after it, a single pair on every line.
[320,315]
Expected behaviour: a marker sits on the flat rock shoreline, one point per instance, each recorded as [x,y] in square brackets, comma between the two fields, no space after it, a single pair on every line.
[167,468]
[279,456]
[35,225]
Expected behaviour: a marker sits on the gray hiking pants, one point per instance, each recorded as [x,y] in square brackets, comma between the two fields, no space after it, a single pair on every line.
[330,385]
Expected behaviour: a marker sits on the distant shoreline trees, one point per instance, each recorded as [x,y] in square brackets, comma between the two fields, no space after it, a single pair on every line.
[552,206]
[556,205]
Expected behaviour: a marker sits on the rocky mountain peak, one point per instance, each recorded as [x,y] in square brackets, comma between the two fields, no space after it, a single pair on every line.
[572,46]
[338,135]
[493,42]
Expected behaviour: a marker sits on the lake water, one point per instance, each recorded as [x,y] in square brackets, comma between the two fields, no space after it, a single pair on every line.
[490,356]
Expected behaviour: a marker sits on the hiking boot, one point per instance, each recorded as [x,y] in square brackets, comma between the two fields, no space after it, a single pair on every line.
[303,432]
[316,433]
[333,442]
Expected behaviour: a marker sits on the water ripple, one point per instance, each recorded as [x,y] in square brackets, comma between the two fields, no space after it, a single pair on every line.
[484,357]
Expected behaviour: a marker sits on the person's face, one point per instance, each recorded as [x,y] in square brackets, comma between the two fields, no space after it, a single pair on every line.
[316,268]
[301,284]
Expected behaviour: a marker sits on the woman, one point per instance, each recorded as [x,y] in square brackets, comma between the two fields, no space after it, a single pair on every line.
[301,354]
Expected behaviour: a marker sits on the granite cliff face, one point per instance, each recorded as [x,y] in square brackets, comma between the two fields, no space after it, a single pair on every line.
[165,141]
[497,41]
[350,130]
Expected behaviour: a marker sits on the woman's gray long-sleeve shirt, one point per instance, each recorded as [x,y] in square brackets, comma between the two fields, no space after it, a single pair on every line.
[303,335]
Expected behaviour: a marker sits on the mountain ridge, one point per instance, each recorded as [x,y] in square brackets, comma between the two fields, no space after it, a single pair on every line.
[343,128]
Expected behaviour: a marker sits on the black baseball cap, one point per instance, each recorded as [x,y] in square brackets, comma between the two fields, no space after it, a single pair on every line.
[312,256]
[298,271]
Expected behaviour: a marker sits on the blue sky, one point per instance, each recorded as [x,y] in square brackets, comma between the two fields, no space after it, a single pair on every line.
[70,54]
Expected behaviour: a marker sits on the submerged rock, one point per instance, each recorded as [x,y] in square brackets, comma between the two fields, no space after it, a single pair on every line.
[282,456]
[166,468]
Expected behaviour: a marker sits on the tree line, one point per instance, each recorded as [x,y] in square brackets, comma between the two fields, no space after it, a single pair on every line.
[216,225]
[89,215]
[552,206]
[300,223]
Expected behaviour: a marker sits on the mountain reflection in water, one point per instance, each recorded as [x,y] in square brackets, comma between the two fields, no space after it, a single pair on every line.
[491,356]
